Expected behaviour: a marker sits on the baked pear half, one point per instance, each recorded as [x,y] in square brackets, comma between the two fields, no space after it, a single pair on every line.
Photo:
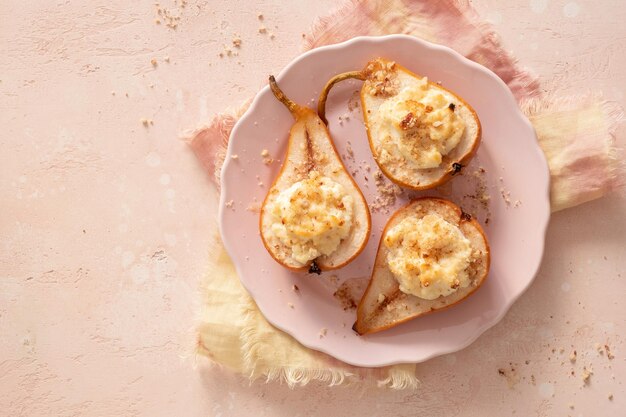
[314,216]
[420,133]
[431,256]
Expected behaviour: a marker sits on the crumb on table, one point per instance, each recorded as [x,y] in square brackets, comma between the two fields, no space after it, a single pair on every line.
[609,354]
[586,375]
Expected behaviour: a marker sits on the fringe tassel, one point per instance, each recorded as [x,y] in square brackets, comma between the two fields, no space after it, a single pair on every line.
[400,379]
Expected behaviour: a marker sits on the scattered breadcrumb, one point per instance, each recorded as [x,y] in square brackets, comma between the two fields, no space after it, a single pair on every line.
[290,305]
[234,156]
[572,356]
[168,16]
[586,375]
[230,203]
[167,59]
[343,118]
[609,354]
[381,298]
[254,208]
[323,332]
[610,396]
[227,52]
[506,196]
[355,101]
[571,406]
[295,288]
[146,122]
[262,29]
[154,62]
[599,349]
[237,42]
[260,16]
[350,151]
[511,375]
[267,159]
[388,193]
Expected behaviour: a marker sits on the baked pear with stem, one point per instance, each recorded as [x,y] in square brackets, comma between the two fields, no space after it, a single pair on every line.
[431,256]
[314,216]
[420,133]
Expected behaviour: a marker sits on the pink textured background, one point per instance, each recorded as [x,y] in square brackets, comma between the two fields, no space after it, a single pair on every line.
[105,224]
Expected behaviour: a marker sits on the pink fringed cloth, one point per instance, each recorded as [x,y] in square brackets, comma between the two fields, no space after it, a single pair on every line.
[575,133]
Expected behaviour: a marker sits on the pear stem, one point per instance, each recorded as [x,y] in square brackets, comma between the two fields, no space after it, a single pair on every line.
[321,103]
[278,93]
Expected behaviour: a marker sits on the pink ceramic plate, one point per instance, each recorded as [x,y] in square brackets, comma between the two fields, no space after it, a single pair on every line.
[515,177]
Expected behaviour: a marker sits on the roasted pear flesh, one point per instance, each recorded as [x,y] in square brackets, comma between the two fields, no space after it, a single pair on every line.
[431,256]
[314,216]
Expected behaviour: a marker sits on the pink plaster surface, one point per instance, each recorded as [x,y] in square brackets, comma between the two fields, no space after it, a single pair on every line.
[105,224]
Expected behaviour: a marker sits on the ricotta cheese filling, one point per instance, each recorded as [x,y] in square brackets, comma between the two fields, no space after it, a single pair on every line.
[312,217]
[421,123]
[429,256]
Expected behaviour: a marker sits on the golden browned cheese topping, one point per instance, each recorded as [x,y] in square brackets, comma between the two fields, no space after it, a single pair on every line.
[312,217]
[418,125]
[429,256]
